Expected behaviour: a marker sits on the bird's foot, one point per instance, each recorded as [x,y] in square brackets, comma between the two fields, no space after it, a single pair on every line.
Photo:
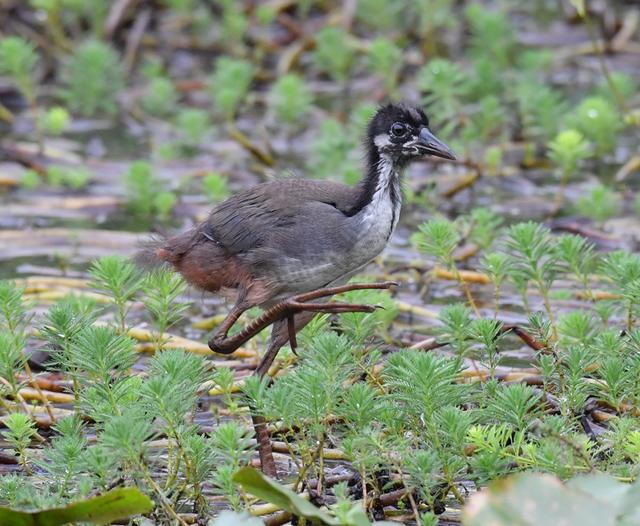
[223,344]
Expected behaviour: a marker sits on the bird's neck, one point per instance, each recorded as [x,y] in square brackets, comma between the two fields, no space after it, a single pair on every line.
[380,182]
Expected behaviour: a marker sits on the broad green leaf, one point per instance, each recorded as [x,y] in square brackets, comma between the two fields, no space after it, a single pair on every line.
[254,482]
[532,499]
[629,511]
[602,487]
[119,503]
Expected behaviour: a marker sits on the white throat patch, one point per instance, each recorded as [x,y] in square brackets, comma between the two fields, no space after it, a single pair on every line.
[381,141]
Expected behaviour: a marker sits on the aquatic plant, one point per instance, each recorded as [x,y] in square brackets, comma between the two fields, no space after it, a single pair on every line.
[92,77]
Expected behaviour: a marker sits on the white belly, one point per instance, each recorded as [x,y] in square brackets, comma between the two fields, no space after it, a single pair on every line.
[370,230]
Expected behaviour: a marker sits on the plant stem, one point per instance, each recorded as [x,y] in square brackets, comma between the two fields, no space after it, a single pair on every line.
[496,300]
[547,306]
[603,64]
[166,505]
[465,287]
[43,398]
[319,486]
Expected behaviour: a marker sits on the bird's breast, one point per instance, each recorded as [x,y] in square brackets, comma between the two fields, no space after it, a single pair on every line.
[377,222]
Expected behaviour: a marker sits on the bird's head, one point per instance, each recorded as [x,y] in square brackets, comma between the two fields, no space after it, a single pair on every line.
[402,133]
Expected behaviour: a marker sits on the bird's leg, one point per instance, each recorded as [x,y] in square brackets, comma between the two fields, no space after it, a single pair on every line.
[280,333]
[263,439]
[294,305]
[286,323]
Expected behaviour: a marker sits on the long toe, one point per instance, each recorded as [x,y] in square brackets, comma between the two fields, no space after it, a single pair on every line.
[220,345]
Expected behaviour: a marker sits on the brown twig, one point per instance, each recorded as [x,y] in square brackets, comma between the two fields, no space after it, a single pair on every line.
[261,155]
[524,336]
[134,38]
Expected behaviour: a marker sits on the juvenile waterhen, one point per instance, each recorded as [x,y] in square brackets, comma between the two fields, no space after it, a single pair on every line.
[289,237]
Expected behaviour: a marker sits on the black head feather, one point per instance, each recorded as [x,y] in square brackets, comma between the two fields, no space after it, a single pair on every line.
[401,133]
[390,114]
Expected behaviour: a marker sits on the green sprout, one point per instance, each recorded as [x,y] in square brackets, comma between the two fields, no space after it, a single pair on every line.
[266,14]
[55,120]
[162,291]
[493,157]
[68,176]
[439,238]
[486,123]
[489,333]
[146,197]
[20,430]
[567,149]
[485,226]
[598,120]
[334,53]
[216,186]
[290,98]
[193,124]
[492,34]
[445,85]
[360,116]
[62,324]
[12,362]
[232,449]
[385,59]
[121,280]
[600,204]
[92,78]
[160,97]
[30,179]
[234,24]
[181,6]
[229,84]
[432,16]
[225,379]
[18,61]
[624,85]
[379,15]
[533,259]
[539,108]
[497,266]
[81,13]
[623,270]
[331,150]
[579,256]
[63,460]
[513,405]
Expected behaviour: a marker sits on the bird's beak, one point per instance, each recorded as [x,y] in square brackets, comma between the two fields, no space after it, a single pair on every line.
[431,145]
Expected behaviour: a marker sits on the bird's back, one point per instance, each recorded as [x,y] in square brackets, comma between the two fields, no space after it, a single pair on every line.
[288,233]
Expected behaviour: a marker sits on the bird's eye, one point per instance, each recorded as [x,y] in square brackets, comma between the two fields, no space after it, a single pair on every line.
[398,129]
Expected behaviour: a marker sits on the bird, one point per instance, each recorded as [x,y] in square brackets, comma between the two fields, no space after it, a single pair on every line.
[292,236]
